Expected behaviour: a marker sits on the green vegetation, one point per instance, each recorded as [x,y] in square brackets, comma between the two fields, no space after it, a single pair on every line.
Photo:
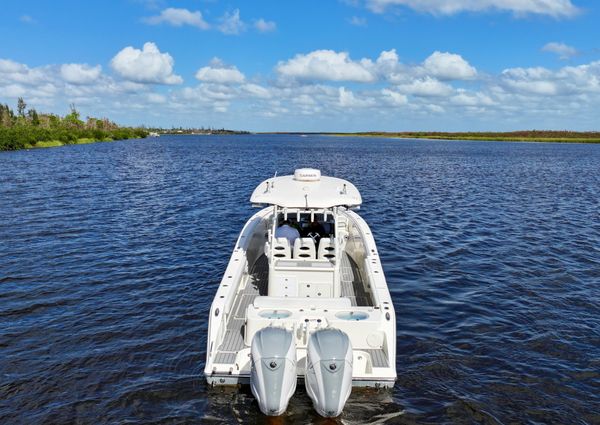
[30,129]
[48,144]
[513,136]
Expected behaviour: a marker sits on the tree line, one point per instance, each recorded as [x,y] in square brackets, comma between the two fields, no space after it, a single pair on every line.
[27,127]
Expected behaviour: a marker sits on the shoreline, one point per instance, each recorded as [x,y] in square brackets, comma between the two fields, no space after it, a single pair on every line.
[473,139]
[46,144]
[57,143]
[406,136]
[29,129]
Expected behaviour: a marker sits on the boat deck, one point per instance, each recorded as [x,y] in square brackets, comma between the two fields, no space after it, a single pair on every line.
[352,288]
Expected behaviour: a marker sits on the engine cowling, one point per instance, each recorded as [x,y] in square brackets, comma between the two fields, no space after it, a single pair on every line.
[328,377]
[273,375]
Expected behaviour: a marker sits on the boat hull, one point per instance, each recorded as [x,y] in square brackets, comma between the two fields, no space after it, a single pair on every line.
[364,310]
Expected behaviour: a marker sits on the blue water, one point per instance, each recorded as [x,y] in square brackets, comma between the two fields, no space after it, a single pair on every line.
[110,254]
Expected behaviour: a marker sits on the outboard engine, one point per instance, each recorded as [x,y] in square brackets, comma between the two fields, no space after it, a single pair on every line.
[328,376]
[273,375]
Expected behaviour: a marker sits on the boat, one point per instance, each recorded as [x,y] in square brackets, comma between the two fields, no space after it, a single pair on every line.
[313,309]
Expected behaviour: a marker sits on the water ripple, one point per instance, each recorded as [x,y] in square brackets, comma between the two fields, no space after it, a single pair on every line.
[110,254]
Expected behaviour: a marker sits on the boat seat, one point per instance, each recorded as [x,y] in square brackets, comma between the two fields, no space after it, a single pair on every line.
[281,248]
[300,302]
[326,248]
[304,249]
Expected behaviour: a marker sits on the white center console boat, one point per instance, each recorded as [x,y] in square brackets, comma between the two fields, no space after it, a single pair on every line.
[303,297]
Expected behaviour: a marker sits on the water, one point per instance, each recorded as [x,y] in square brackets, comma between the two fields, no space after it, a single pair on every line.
[110,254]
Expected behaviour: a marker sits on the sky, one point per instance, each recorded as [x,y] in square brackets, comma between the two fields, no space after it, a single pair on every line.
[326,65]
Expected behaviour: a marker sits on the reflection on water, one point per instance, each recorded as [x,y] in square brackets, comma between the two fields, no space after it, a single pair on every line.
[110,254]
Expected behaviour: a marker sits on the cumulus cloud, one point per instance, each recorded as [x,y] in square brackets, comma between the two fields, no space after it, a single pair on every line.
[425,87]
[14,72]
[148,65]
[156,98]
[529,80]
[8,66]
[215,97]
[256,90]
[211,92]
[387,63]
[55,86]
[567,81]
[177,18]
[231,23]
[218,72]
[77,73]
[313,85]
[449,66]
[265,26]
[394,97]
[465,98]
[553,8]
[563,50]
[326,65]
[329,65]
[348,100]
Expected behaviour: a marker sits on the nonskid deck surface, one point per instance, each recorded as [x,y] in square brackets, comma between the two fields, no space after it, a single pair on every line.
[352,283]
[352,288]
[234,337]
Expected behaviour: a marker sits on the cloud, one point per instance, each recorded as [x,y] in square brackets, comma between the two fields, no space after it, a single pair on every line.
[387,64]
[563,51]
[265,26]
[151,4]
[326,65]
[394,97]
[537,81]
[357,21]
[448,66]
[8,66]
[26,19]
[77,73]
[567,81]
[329,65]
[211,92]
[425,87]
[156,98]
[231,23]
[14,72]
[347,99]
[218,72]
[465,98]
[148,65]
[177,18]
[256,90]
[312,91]
[50,88]
[553,8]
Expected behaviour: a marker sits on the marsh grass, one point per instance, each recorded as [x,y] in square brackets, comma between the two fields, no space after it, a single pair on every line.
[47,144]
[516,136]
